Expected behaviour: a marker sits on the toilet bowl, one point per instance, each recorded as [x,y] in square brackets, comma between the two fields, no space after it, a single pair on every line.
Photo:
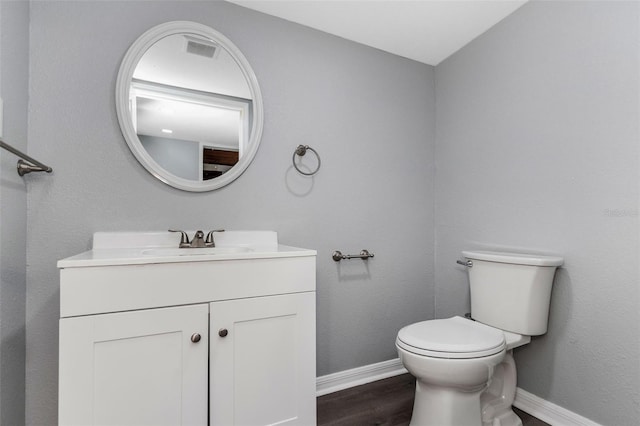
[464,369]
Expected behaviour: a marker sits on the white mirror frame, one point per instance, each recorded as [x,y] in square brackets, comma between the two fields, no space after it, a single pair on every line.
[123,84]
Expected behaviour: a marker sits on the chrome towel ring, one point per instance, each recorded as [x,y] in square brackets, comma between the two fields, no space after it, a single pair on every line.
[302,150]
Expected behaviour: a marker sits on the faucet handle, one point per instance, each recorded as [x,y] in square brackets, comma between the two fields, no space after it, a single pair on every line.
[209,241]
[184,239]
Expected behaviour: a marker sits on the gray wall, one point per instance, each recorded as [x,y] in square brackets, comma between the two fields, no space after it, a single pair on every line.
[14,60]
[537,149]
[369,114]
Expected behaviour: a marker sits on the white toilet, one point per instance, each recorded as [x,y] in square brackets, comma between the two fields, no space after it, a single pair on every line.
[464,369]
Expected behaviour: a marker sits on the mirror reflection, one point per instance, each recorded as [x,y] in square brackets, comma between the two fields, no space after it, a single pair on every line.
[191,106]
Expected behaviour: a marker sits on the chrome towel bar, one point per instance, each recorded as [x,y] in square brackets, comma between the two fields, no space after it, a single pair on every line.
[23,166]
[364,254]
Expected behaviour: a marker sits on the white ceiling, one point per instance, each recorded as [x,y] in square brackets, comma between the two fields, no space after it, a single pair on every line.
[427,31]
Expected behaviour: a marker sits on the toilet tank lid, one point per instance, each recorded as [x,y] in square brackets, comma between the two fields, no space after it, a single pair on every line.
[514,258]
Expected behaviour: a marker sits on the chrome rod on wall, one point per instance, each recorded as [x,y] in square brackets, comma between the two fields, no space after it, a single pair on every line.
[364,254]
[23,166]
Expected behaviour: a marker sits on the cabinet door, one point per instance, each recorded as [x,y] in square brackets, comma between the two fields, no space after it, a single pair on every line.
[263,369]
[135,368]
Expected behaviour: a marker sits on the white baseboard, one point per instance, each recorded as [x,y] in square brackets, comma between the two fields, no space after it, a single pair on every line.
[549,412]
[358,376]
[526,401]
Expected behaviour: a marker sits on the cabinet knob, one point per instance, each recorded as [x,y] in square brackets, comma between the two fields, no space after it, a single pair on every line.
[223,332]
[195,337]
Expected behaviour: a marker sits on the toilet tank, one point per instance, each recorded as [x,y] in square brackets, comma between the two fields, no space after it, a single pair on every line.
[511,291]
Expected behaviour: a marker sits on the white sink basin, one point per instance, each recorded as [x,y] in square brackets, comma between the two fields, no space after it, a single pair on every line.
[200,251]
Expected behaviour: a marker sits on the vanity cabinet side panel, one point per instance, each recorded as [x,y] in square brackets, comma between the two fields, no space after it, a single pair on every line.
[140,367]
[262,361]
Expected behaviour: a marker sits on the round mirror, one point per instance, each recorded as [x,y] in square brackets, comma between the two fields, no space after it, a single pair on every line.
[189,106]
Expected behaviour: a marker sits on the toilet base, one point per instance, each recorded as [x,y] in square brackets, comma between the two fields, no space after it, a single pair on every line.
[439,406]
[508,418]
[448,391]
[486,404]
[497,399]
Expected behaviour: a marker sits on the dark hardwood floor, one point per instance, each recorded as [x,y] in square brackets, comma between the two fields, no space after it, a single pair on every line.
[386,402]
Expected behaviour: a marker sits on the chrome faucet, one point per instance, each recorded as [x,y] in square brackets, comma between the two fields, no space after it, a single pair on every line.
[198,240]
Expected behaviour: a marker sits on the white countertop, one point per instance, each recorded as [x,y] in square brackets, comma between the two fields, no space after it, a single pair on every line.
[117,249]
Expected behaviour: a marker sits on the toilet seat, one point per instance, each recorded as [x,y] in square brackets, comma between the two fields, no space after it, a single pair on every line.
[453,338]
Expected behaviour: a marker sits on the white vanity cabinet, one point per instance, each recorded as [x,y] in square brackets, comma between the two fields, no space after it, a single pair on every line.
[137,368]
[226,338]
[259,372]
